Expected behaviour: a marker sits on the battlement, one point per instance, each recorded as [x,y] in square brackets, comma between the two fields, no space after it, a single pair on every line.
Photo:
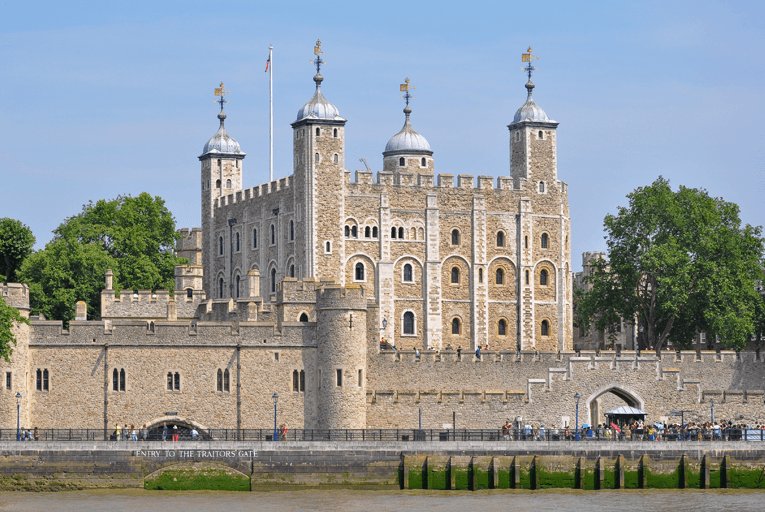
[331,296]
[441,181]
[292,290]
[149,305]
[258,191]
[589,256]
[16,295]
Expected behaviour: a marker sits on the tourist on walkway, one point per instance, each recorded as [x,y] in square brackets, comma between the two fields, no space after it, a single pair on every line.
[133,433]
[194,434]
[175,433]
[144,433]
[118,432]
[164,432]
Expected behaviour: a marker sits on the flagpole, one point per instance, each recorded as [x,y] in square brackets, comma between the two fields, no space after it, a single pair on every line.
[271,90]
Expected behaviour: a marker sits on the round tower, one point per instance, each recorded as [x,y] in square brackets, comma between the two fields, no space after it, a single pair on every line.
[15,375]
[341,320]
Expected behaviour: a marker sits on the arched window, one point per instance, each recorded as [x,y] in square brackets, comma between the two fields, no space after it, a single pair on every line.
[480,275]
[115,380]
[169,381]
[189,293]
[543,277]
[501,327]
[237,242]
[177,382]
[393,232]
[367,232]
[220,165]
[303,317]
[295,381]
[541,135]
[292,230]
[544,240]
[402,162]
[316,158]
[526,242]
[423,162]
[220,379]
[347,231]
[336,158]
[408,273]
[408,322]
[254,238]
[455,275]
[318,132]
[374,232]
[273,280]
[328,247]
[401,233]
[292,270]
[420,234]
[45,380]
[273,234]
[228,183]
[226,386]
[456,325]
[500,276]
[359,272]
[217,183]
[545,328]
[220,288]
[527,277]
[541,187]
[455,237]
[500,239]
[237,287]
[220,246]
[354,231]
[334,132]
[39,380]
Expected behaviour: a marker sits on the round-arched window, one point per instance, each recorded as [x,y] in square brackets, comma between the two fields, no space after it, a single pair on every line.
[456,326]
[359,272]
[500,276]
[408,322]
[543,277]
[402,162]
[545,328]
[500,239]
[455,237]
[455,275]
[407,273]
[501,327]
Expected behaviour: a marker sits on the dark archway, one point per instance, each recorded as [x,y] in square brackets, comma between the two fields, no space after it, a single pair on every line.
[625,394]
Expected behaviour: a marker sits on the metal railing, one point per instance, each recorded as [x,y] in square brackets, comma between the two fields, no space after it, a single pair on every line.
[522,434]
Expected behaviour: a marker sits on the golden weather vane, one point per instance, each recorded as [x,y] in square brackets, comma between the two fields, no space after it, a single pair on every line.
[220,92]
[406,88]
[528,57]
[318,60]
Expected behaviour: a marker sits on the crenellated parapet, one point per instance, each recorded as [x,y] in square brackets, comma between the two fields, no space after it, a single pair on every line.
[255,193]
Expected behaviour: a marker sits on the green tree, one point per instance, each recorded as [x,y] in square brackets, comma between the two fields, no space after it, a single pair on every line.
[65,272]
[678,263]
[8,317]
[138,232]
[16,241]
[133,236]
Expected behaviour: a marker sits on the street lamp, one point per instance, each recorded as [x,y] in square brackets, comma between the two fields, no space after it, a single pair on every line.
[18,414]
[712,401]
[577,396]
[275,398]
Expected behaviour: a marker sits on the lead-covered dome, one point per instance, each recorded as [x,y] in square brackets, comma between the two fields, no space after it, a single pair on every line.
[408,140]
[530,111]
[318,107]
[222,142]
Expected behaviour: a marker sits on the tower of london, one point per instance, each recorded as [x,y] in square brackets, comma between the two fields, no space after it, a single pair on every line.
[358,298]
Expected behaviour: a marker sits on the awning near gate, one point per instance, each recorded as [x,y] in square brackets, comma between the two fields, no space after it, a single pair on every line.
[625,411]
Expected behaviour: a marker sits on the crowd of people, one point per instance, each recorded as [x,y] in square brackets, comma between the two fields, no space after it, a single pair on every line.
[637,431]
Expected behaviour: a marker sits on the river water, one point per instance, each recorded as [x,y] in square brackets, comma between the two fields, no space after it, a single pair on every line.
[378,501]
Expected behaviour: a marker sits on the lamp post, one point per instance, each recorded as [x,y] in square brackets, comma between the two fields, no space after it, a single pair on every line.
[712,401]
[275,398]
[18,414]
[577,396]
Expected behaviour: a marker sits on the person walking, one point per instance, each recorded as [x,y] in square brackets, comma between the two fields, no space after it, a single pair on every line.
[175,433]
[164,432]
[118,432]
[133,433]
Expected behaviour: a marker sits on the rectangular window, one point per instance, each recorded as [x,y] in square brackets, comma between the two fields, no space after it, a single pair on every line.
[169,381]
[8,380]
[39,380]
[276,356]
[302,380]
[361,377]
[339,378]
[177,381]
[45,380]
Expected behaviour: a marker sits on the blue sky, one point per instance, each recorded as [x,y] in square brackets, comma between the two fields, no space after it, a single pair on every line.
[109,98]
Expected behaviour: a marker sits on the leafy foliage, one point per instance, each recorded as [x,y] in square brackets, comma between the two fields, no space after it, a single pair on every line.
[8,315]
[16,241]
[678,263]
[133,236]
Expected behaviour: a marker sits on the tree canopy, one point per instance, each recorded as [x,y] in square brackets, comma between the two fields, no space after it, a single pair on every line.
[678,263]
[16,241]
[9,316]
[133,236]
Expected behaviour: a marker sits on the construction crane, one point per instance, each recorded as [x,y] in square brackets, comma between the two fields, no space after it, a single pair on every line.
[364,161]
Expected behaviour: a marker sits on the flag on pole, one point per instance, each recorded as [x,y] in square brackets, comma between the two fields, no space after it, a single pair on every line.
[268,63]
